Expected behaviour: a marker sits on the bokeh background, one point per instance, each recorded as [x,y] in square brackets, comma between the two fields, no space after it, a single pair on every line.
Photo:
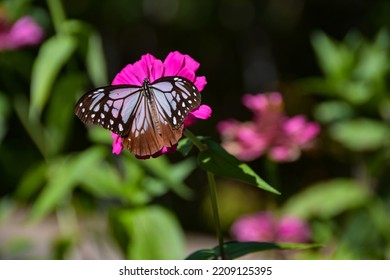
[64,195]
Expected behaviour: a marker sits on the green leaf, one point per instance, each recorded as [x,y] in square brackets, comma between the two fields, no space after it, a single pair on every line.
[52,56]
[360,134]
[356,92]
[31,182]
[335,59]
[234,250]
[172,175]
[185,146]
[152,233]
[327,199]
[216,160]
[63,175]
[35,129]
[95,61]
[60,113]
[330,111]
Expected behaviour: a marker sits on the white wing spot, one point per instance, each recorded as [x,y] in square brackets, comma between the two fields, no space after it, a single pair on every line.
[179,113]
[120,127]
[102,115]
[174,120]
[183,104]
[82,110]
[93,115]
[111,122]
[189,102]
[81,104]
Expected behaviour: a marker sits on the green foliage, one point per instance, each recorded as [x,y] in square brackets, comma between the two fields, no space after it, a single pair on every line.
[327,199]
[361,134]
[216,160]
[354,101]
[148,233]
[234,250]
[53,55]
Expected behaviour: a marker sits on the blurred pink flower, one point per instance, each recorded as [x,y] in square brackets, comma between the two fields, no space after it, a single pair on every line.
[24,32]
[270,132]
[264,227]
[175,64]
[292,229]
[254,227]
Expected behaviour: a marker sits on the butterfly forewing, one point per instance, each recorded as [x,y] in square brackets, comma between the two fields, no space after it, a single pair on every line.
[109,107]
[177,97]
[147,118]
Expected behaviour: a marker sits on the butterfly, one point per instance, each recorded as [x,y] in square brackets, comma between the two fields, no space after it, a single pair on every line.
[147,117]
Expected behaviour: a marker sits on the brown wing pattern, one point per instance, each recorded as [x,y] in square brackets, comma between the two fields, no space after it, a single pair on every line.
[146,121]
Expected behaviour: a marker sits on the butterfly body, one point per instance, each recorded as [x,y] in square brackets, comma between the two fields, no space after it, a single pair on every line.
[147,117]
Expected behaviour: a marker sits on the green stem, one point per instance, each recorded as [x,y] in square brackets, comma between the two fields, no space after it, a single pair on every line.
[213,192]
[214,205]
[57,14]
[202,147]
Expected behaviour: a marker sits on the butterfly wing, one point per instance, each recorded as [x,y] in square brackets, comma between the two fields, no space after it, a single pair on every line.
[111,107]
[175,97]
[146,124]
[145,136]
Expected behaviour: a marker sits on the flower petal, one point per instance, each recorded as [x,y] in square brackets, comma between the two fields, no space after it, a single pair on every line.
[202,112]
[127,77]
[200,82]
[173,63]
[117,145]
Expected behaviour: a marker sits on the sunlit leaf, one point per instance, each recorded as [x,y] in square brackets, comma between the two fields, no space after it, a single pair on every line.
[52,56]
[95,61]
[327,199]
[31,182]
[172,175]
[216,160]
[153,233]
[63,175]
[334,58]
[327,112]
[360,134]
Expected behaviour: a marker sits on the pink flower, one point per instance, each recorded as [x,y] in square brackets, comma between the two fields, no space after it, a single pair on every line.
[175,64]
[254,227]
[264,227]
[292,229]
[24,32]
[270,132]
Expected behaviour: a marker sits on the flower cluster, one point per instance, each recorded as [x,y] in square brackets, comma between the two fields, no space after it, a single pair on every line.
[175,64]
[270,132]
[264,227]
[24,32]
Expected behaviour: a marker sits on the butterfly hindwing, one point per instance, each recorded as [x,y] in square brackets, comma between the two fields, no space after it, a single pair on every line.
[176,97]
[147,118]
